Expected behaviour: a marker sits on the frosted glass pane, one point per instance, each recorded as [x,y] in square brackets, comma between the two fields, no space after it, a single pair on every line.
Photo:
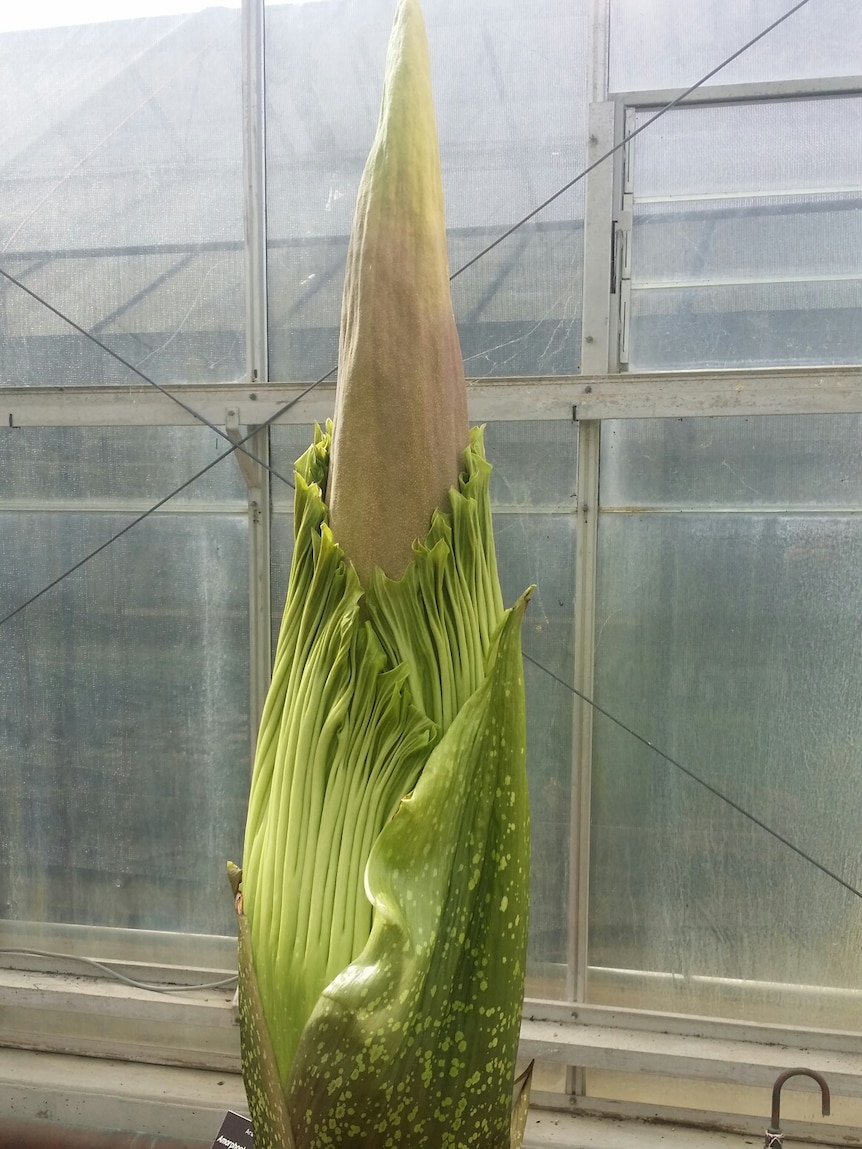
[124,735]
[771,462]
[671,43]
[498,73]
[535,464]
[540,549]
[702,1095]
[710,241]
[121,200]
[745,245]
[792,145]
[755,325]
[131,465]
[731,642]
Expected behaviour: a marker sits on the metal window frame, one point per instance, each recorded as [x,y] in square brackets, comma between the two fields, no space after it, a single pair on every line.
[628,104]
[742,93]
[591,396]
[608,394]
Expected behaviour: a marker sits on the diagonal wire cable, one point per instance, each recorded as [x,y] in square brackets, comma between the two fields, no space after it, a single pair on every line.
[694,777]
[626,139]
[146,378]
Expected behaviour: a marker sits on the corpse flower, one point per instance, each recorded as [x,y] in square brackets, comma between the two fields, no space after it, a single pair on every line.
[383,902]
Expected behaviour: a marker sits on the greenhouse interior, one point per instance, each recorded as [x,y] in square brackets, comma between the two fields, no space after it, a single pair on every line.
[653,217]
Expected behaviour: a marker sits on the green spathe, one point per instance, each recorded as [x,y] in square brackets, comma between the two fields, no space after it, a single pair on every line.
[383,904]
[414,1043]
[371,918]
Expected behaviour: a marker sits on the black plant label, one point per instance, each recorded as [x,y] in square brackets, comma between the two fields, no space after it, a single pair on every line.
[235,1133]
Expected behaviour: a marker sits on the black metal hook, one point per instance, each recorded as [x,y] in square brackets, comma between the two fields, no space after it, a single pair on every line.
[825,1097]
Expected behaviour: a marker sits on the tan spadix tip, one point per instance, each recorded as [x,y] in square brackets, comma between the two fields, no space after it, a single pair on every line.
[400,427]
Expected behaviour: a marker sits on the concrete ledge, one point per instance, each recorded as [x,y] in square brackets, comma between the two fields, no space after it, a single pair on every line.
[93,1093]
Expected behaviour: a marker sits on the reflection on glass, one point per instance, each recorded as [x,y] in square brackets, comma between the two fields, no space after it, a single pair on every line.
[511,99]
[730,641]
[124,730]
[121,200]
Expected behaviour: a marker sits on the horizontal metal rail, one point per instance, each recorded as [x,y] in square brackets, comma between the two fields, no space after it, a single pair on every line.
[654,395]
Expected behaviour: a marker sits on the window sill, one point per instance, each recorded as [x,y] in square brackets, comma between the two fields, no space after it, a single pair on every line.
[162,1101]
[71,1042]
[91,1093]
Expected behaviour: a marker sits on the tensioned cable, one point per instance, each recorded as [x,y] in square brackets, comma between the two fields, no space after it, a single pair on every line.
[239,444]
[125,362]
[626,139]
[695,777]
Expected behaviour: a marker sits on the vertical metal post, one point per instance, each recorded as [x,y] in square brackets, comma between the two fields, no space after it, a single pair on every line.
[254,189]
[600,43]
[257,346]
[596,339]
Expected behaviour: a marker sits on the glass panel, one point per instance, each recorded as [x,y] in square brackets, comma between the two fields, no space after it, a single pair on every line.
[533,485]
[772,462]
[124,732]
[764,325]
[535,466]
[707,242]
[498,74]
[728,640]
[121,200]
[46,14]
[116,464]
[671,43]
[540,549]
[745,247]
[766,148]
